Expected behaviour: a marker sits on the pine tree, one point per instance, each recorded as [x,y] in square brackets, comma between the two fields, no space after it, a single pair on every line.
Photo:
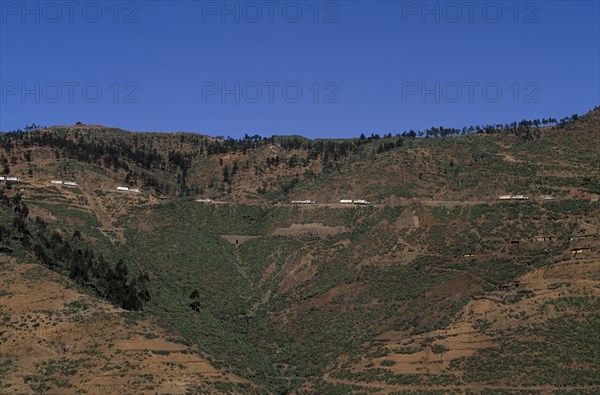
[195,297]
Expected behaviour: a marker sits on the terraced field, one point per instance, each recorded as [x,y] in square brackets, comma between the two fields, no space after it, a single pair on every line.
[437,287]
[64,341]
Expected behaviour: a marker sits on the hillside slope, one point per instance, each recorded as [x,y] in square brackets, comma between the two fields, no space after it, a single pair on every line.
[424,290]
[56,339]
[559,160]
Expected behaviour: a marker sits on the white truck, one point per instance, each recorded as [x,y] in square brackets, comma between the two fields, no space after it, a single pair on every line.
[127,189]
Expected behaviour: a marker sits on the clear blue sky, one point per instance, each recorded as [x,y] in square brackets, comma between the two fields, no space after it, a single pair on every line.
[362,66]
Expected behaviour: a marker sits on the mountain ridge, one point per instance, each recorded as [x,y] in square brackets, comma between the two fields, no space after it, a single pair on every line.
[421,291]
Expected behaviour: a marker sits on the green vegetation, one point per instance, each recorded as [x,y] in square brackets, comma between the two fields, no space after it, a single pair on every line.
[563,351]
[281,311]
[245,292]
[71,256]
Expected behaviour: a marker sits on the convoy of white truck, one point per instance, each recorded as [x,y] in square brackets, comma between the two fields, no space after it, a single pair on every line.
[10,179]
[74,184]
[514,197]
[342,201]
[307,201]
[524,197]
[303,202]
[350,201]
[66,183]
[127,189]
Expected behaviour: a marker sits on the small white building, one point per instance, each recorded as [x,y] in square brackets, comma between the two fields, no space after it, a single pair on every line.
[361,201]
[123,189]
[59,182]
[204,200]
[346,201]
[505,197]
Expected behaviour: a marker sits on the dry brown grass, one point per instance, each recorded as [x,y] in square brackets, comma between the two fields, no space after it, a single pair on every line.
[61,341]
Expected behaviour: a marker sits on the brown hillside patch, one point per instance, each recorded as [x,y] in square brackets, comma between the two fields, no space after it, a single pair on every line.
[58,340]
[297,272]
[267,273]
[431,353]
[510,158]
[408,219]
[345,294]
[313,229]
[454,289]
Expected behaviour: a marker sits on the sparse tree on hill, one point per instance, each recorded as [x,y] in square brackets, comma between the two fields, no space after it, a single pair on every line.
[195,297]
[226,177]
